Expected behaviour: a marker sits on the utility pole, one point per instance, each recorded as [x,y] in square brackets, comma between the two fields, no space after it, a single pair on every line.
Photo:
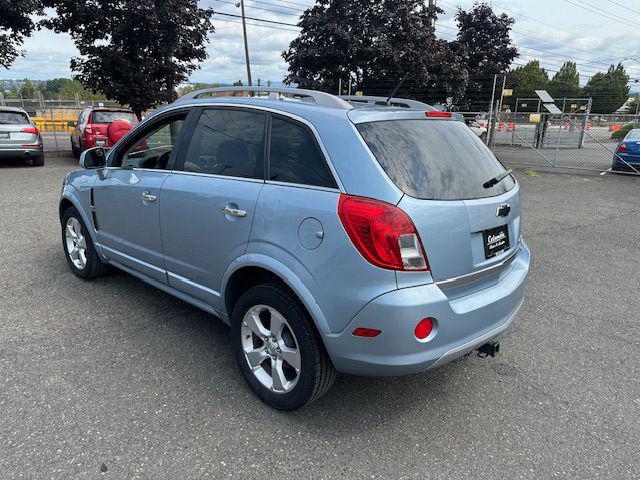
[246,46]
[491,123]
[432,4]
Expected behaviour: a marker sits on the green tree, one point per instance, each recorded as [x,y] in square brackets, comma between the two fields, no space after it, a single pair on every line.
[526,79]
[376,44]
[16,22]
[486,39]
[609,90]
[67,88]
[27,89]
[135,52]
[566,82]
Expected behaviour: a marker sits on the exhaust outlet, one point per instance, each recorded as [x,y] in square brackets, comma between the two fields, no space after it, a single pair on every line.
[489,349]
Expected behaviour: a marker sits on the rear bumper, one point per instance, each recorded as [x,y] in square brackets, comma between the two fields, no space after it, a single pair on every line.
[462,325]
[626,165]
[20,152]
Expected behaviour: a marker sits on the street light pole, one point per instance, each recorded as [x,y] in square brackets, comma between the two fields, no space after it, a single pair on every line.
[246,45]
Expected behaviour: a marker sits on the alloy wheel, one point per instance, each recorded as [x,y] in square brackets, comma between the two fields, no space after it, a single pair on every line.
[271,348]
[76,243]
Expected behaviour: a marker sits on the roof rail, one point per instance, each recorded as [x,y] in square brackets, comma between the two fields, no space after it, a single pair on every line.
[276,93]
[393,102]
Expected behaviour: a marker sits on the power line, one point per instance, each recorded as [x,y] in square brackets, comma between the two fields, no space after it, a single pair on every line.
[624,6]
[256,19]
[256,25]
[260,8]
[595,9]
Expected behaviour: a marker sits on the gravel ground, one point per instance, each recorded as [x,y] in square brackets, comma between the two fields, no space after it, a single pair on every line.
[115,379]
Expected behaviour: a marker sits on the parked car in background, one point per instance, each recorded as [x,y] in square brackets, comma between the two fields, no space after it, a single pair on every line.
[479,130]
[100,127]
[627,157]
[332,236]
[19,137]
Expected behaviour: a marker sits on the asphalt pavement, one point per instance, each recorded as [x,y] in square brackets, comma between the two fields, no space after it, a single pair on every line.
[114,379]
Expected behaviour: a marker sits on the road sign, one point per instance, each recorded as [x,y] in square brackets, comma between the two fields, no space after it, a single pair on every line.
[552,107]
[544,96]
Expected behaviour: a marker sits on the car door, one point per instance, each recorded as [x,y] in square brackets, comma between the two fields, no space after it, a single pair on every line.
[209,200]
[126,198]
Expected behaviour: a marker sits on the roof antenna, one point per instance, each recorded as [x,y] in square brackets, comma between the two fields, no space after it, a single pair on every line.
[393,92]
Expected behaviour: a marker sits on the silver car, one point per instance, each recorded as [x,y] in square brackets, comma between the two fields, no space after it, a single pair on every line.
[332,236]
[19,137]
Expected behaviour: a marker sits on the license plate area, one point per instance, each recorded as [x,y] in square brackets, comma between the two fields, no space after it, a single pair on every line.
[4,135]
[496,240]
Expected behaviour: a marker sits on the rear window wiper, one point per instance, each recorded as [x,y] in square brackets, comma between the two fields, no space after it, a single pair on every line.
[497,179]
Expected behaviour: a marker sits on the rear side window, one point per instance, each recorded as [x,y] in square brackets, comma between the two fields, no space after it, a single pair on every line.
[295,157]
[106,116]
[13,118]
[434,159]
[227,142]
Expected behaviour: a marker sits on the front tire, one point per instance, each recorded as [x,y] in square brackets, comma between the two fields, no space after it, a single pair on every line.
[78,247]
[278,349]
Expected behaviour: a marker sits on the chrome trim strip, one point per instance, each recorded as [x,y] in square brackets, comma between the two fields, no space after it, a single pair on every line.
[476,342]
[191,283]
[469,277]
[213,175]
[303,185]
[118,253]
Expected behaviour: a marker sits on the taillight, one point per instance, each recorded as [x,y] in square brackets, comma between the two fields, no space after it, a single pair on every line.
[622,148]
[32,130]
[439,114]
[383,234]
[88,129]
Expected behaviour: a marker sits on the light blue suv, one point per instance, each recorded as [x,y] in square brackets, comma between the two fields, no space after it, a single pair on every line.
[364,237]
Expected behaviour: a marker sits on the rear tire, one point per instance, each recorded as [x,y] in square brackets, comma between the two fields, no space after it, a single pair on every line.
[266,307]
[75,151]
[38,161]
[78,247]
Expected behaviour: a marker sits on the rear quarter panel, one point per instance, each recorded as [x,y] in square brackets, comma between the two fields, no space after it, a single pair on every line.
[336,275]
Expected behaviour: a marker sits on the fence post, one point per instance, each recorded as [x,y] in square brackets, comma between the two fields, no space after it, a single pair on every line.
[585,120]
[53,128]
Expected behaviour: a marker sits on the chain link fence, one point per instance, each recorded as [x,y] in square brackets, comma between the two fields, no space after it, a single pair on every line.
[572,140]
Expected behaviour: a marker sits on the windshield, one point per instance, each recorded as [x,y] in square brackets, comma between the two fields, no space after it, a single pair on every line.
[106,116]
[13,118]
[435,159]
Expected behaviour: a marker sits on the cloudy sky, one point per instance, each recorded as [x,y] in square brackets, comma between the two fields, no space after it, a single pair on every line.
[593,33]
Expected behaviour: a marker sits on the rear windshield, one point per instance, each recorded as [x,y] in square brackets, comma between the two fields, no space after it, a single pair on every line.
[633,135]
[13,118]
[435,159]
[105,116]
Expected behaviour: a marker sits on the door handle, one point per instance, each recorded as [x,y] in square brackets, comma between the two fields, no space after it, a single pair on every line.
[148,197]
[234,212]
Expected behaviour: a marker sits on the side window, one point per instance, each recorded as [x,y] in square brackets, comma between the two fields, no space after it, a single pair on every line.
[154,148]
[227,142]
[294,156]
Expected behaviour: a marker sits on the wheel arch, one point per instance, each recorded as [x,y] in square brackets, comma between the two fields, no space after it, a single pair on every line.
[68,200]
[253,269]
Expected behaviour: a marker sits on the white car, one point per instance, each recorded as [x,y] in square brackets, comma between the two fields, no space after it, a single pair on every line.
[479,130]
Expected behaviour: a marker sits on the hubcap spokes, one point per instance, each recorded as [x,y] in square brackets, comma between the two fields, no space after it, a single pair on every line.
[76,243]
[271,348]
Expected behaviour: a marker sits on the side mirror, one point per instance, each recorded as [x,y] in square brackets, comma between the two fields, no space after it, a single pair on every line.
[93,158]
[71,123]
